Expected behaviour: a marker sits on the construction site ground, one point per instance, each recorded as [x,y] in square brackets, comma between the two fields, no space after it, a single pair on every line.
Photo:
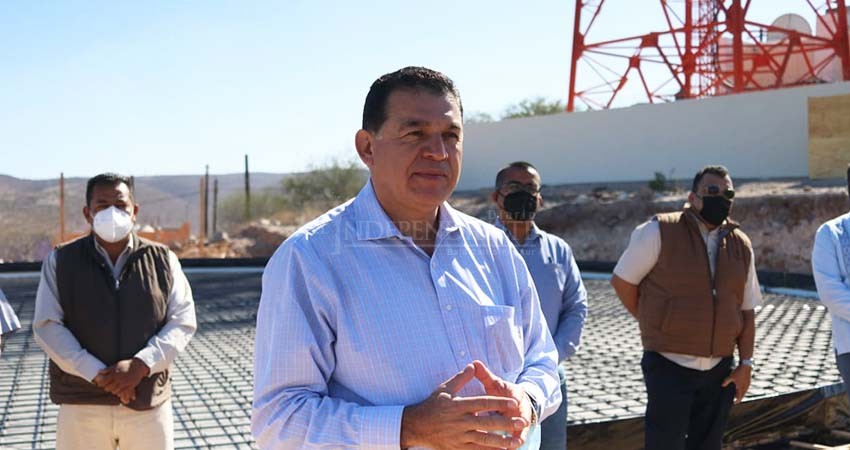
[213,377]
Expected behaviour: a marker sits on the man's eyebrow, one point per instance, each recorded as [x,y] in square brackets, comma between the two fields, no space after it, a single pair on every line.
[413,123]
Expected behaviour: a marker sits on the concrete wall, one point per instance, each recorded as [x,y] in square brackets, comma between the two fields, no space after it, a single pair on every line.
[756,135]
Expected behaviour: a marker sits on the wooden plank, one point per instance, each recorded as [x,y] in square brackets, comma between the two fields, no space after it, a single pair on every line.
[829,136]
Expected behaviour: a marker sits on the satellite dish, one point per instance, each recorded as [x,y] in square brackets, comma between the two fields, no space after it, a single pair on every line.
[789,21]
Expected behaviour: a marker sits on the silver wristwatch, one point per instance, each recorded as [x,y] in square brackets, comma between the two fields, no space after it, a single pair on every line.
[746,362]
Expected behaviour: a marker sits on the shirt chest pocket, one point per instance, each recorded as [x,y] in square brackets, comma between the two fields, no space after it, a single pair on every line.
[553,274]
[503,339]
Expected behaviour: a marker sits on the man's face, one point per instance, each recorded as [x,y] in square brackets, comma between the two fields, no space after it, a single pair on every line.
[711,185]
[105,196]
[517,179]
[415,158]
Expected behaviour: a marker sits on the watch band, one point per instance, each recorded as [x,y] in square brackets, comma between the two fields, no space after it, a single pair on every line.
[746,362]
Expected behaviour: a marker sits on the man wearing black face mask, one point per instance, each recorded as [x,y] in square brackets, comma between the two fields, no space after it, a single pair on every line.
[689,279]
[550,261]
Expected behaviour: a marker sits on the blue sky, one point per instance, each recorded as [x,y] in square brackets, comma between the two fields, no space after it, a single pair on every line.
[167,87]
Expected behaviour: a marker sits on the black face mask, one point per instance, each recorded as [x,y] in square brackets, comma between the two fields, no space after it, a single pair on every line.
[520,205]
[715,209]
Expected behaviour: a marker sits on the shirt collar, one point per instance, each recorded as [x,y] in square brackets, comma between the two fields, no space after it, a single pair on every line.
[533,234]
[126,250]
[372,222]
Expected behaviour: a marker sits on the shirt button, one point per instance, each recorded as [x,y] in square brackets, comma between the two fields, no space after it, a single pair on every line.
[462,353]
[448,307]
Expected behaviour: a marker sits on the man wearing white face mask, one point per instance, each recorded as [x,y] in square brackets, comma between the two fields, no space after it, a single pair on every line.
[112,312]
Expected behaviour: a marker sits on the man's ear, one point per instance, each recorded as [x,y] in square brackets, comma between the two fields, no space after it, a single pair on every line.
[135,211]
[87,215]
[691,198]
[495,197]
[363,143]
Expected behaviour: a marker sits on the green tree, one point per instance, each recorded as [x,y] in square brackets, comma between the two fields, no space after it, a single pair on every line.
[478,117]
[264,203]
[326,186]
[537,106]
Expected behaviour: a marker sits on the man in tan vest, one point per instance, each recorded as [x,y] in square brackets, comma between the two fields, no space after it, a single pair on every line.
[112,312]
[689,279]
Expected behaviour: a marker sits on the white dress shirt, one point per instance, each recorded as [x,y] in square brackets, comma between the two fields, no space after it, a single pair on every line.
[642,254]
[356,321]
[65,350]
[830,259]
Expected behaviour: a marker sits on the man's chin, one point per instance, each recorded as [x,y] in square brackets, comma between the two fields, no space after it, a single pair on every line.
[433,198]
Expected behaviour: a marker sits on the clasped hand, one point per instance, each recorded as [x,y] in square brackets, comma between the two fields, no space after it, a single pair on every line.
[498,419]
[121,378]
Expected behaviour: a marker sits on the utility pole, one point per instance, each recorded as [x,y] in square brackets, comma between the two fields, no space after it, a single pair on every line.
[202,228]
[215,206]
[247,192]
[62,207]
[206,199]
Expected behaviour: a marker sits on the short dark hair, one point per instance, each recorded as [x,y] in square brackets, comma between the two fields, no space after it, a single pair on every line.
[500,177]
[410,78]
[720,171]
[106,179]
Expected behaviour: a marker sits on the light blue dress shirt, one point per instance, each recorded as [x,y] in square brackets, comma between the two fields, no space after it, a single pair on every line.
[356,321]
[830,262]
[563,297]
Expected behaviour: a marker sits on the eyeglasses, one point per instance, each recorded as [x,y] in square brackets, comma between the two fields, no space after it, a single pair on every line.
[714,191]
[512,187]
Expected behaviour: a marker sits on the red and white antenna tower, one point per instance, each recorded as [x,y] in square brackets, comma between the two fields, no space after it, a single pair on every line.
[709,47]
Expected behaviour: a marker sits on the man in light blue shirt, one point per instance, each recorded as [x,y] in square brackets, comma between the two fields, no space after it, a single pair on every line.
[394,321]
[563,297]
[831,270]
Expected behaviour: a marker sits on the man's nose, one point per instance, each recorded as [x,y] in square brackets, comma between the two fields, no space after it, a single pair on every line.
[435,148]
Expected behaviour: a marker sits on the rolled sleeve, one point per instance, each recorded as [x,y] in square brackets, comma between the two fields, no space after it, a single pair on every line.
[641,254]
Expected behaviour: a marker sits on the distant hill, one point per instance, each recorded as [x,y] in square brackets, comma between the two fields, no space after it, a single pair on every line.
[29,209]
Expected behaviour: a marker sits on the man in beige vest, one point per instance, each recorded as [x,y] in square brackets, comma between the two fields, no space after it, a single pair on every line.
[112,312]
[689,279]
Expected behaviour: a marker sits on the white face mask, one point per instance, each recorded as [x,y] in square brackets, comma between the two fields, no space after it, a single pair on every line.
[112,224]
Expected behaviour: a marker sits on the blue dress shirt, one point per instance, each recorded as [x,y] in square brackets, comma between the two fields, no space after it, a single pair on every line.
[356,321]
[563,297]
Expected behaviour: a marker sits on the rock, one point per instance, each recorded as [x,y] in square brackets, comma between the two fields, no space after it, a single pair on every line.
[265,237]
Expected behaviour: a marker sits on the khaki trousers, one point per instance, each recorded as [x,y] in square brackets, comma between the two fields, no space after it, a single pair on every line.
[99,427]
